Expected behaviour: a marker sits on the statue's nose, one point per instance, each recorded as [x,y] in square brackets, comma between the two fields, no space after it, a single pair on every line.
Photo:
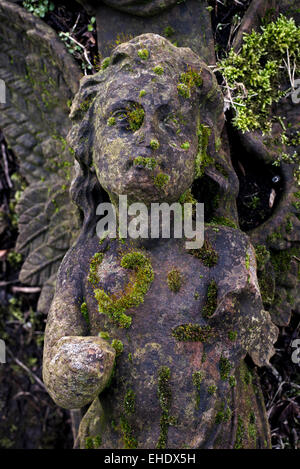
[148,133]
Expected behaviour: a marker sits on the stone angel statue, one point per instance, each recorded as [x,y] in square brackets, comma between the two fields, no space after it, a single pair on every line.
[147,338]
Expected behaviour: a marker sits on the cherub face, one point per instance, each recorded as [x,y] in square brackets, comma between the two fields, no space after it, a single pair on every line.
[146,137]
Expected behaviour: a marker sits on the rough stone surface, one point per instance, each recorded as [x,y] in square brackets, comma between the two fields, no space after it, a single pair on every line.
[41,79]
[187,24]
[166,390]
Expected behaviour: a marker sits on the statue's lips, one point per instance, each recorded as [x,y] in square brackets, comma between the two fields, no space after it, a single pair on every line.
[139,177]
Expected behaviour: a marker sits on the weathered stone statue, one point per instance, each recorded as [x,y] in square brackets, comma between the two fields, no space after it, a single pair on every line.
[146,337]
[152,333]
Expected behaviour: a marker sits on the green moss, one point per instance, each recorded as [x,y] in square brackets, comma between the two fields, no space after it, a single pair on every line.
[224,368]
[158,70]
[240,433]
[224,414]
[212,389]
[148,163]
[289,225]
[232,381]
[197,379]
[105,63]
[185,145]
[192,333]
[208,256]
[93,442]
[143,54]
[247,261]
[187,198]
[143,93]
[262,256]
[232,335]
[168,31]
[246,376]
[89,444]
[135,117]
[174,280]
[211,300]
[281,261]
[252,431]
[274,237]
[114,306]
[223,221]
[254,74]
[111,121]
[191,78]
[154,144]
[165,401]
[129,402]
[202,159]
[85,313]
[221,170]
[183,90]
[118,346]
[94,264]
[266,286]
[14,258]
[104,335]
[85,105]
[161,180]
[130,442]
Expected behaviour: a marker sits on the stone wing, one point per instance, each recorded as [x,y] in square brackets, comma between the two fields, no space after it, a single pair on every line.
[40,79]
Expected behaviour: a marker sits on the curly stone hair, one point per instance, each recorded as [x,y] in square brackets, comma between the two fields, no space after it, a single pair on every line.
[127,58]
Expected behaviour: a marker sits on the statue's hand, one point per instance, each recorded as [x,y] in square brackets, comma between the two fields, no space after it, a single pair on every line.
[78,370]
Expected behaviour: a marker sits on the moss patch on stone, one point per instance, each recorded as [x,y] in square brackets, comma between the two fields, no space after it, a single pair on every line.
[211,300]
[206,254]
[161,180]
[114,306]
[118,346]
[95,262]
[192,333]
[135,117]
[143,54]
[202,158]
[224,368]
[85,313]
[148,163]
[174,280]
[165,400]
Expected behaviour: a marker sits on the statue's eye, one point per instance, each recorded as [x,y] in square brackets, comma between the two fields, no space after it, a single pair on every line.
[131,118]
[121,117]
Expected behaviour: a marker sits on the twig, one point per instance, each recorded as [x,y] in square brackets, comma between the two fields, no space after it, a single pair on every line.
[288,67]
[18,362]
[85,52]
[26,289]
[76,23]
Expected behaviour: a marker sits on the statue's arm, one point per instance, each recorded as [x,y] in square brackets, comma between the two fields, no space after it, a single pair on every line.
[76,367]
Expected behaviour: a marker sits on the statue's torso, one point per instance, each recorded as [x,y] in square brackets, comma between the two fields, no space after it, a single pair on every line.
[149,346]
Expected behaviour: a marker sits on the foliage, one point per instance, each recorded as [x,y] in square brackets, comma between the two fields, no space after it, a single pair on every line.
[253,75]
[38,7]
